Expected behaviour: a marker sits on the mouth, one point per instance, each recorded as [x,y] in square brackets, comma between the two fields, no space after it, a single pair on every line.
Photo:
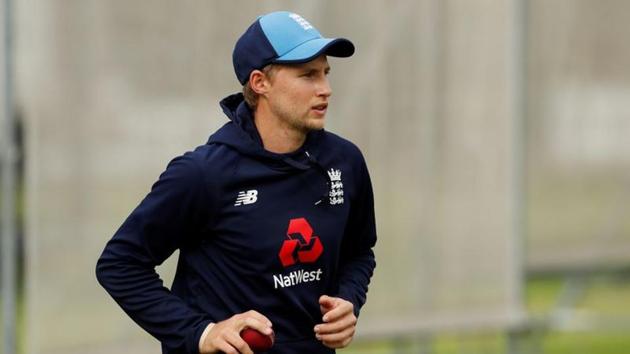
[320,109]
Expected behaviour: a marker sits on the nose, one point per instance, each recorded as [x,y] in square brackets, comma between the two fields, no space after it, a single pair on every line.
[323,89]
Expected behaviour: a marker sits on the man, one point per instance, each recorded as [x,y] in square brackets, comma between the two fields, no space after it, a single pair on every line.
[273,217]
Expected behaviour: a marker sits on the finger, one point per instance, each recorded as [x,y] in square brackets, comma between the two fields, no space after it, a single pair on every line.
[237,342]
[341,343]
[326,303]
[342,309]
[337,326]
[324,309]
[225,347]
[254,323]
[338,345]
[259,316]
[338,336]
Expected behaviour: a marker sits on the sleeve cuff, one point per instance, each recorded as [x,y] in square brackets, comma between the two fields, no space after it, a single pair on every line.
[347,297]
[203,336]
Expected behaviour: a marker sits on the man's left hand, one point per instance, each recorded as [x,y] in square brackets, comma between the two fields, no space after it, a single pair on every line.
[339,324]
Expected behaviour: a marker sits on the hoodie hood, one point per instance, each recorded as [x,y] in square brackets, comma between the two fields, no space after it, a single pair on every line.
[241,134]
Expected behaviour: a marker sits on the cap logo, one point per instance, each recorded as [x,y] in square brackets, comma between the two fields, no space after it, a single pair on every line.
[301,21]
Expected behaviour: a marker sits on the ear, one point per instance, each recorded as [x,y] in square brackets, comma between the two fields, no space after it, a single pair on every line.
[259,82]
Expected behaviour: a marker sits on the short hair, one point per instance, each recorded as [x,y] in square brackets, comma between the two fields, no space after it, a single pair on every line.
[251,97]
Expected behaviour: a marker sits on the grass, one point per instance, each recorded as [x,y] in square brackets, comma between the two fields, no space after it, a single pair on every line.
[606,296]
[587,343]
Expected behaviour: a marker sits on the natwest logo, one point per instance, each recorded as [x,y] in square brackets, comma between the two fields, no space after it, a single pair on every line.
[301,246]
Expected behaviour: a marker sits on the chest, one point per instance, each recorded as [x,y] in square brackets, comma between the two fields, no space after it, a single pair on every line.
[282,219]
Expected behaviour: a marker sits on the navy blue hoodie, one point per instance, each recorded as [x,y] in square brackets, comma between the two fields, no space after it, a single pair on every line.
[255,230]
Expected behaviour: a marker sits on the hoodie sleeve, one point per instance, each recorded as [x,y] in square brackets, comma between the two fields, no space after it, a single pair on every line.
[165,220]
[357,257]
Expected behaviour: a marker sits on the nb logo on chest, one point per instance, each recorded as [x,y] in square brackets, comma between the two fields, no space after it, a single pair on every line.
[246,197]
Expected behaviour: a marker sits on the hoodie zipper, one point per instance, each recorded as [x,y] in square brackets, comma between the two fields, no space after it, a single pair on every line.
[323,199]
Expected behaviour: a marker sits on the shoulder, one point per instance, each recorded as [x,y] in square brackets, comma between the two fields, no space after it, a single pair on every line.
[203,165]
[339,145]
[338,151]
[199,173]
[212,158]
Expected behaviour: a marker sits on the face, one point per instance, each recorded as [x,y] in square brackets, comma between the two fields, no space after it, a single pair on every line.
[298,94]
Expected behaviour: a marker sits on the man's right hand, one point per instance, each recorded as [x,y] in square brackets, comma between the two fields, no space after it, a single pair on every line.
[225,336]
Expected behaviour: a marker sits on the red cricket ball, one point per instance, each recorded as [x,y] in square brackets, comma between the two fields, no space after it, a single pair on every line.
[257,341]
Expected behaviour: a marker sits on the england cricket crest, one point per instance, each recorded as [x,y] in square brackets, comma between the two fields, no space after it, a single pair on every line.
[335,195]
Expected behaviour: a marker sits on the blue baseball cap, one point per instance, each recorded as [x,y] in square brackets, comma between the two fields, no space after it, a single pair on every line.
[283,37]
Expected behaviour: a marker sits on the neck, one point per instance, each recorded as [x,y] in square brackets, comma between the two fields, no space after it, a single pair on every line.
[277,136]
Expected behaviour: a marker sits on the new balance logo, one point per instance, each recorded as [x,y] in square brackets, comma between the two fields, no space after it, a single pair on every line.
[246,197]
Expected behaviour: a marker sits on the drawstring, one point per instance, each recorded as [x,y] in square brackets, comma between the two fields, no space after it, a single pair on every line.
[324,198]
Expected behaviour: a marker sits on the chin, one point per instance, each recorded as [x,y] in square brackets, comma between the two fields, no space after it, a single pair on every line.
[315,124]
[315,127]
